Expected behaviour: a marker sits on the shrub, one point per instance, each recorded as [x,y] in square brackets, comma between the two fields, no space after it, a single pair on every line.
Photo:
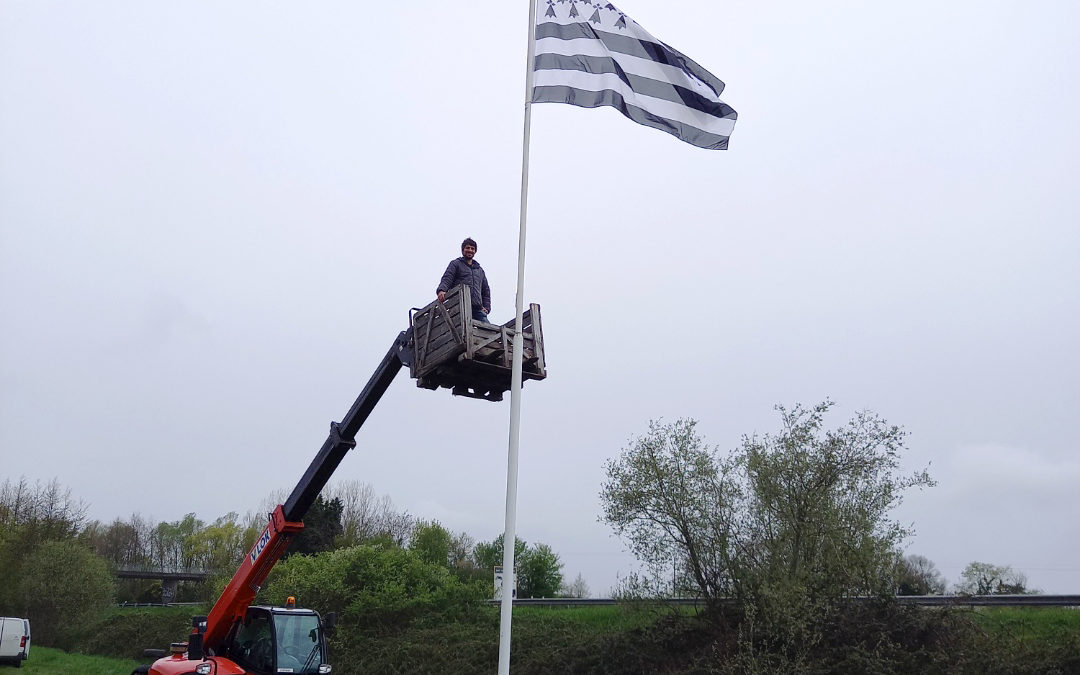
[371,586]
[64,587]
[790,525]
[126,632]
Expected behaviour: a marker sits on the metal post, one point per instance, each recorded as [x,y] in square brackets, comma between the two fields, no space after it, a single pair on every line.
[510,534]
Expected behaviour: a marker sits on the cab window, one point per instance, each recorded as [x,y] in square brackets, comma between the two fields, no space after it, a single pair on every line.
[298,645]
[253,647]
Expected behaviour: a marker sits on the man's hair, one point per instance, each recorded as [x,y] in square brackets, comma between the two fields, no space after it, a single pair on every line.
[468,242]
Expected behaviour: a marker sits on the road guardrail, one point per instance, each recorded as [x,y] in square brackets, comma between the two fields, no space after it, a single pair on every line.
[922,600]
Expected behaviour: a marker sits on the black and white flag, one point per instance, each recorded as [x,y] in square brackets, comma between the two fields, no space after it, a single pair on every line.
[590,54]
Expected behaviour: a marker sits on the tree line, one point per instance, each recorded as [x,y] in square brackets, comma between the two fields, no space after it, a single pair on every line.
[58,563]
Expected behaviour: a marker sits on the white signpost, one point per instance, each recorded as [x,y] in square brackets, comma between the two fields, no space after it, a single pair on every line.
[499,584]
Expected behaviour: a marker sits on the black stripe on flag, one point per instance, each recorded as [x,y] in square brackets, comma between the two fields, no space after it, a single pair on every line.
[642,85]
[595,99]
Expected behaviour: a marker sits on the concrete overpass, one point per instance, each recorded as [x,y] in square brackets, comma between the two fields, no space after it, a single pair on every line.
[170,577]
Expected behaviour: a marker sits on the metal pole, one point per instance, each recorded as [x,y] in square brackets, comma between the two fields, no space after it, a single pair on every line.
[510,534]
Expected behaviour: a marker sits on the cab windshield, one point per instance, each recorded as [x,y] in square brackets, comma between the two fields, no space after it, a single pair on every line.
[298,645]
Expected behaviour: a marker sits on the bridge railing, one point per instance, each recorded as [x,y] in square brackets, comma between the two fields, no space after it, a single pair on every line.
[164,573]
[133,605]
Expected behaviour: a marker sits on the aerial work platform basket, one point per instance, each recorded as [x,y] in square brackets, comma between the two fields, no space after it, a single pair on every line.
[469,357]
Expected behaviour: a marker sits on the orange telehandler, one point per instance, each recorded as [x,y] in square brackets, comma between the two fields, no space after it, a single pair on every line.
[235,638]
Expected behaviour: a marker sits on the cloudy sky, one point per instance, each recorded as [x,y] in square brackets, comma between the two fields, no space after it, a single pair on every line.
[214,218]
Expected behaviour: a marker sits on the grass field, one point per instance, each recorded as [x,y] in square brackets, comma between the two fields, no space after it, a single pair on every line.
[45,661]
[596,639]
[1036,629]
[1037,623]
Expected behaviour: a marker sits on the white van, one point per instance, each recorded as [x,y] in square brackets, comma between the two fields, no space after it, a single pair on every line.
[14,640]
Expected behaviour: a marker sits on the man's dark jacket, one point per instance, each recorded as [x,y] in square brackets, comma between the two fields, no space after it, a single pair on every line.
[460,272]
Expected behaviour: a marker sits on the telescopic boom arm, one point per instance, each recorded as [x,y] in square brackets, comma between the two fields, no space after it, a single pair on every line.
[286,520]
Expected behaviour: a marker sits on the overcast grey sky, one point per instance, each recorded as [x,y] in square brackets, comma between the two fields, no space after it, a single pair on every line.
[214,218]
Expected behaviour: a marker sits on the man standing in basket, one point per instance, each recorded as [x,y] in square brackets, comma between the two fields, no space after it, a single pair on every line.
[465,270]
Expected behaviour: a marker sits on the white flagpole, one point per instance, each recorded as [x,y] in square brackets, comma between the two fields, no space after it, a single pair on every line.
[510,535]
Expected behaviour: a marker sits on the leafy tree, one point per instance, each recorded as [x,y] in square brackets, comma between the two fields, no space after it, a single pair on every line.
[789,523]
[31,515]
[173,545]
[820,502]
[220,545]
[64,587]
[666,495]
[431,542]
[437,545]
[489,555]
[170,542]
[539,573]
[185,543]
[322,525]
[917,575]
[980,578]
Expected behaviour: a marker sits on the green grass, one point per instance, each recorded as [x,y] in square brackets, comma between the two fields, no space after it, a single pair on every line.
[1038,624]
[1037,631]
[45,661]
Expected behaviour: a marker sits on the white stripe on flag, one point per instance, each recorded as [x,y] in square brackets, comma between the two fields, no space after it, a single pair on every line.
[656,106]
[634,65]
